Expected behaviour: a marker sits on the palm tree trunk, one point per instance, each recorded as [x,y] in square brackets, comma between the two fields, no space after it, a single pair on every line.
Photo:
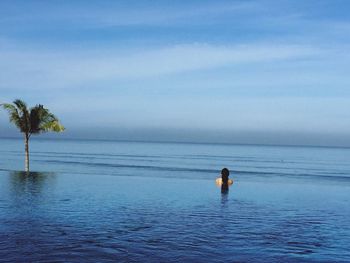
[26,161]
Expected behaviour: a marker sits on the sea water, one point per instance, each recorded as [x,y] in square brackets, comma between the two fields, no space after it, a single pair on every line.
[109,201]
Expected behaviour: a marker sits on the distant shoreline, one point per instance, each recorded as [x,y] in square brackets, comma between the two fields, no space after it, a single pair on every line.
[177,142]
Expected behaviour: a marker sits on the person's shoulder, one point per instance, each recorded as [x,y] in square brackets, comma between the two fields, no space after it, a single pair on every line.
[218,181]
[230,181]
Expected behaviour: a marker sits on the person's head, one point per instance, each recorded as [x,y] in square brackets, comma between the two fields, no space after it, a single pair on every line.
[224,175]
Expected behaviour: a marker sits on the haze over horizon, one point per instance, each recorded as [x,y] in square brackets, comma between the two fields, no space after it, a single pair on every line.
[269,72]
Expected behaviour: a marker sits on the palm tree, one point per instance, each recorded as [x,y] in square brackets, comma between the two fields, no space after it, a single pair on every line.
[31,121]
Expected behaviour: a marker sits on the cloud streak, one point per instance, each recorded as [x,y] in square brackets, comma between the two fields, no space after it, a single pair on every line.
[60,70]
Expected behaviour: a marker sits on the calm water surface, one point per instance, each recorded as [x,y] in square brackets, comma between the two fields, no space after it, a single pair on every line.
[95,201]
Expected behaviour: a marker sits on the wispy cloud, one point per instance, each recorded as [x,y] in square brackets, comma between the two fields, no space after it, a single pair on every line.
[59,70]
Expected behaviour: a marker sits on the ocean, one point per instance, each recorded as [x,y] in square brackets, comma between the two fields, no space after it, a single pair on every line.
[111,201]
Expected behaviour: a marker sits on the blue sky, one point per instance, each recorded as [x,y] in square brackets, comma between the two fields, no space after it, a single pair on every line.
[237,71]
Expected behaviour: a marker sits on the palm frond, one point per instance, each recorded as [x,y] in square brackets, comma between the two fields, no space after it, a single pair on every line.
[24,115]
[54,126]
[20,104]
[43,121]
[37,120]
[14,115]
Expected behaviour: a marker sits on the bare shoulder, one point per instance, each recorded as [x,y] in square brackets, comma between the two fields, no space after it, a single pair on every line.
[218,181]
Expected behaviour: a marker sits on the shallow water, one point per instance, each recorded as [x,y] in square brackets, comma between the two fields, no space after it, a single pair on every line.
[96,201]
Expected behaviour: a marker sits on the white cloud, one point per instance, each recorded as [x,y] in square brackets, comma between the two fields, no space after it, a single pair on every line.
[46,69]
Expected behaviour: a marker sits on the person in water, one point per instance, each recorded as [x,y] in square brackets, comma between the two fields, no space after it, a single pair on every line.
[224,181]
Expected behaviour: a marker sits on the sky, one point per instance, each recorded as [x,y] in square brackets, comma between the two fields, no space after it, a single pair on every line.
[269,72]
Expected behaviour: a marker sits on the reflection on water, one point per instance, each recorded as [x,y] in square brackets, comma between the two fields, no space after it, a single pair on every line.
[224,197]
[32,183]
[28,182]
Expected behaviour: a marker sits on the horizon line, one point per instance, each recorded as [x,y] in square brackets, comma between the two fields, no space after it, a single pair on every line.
[183,142]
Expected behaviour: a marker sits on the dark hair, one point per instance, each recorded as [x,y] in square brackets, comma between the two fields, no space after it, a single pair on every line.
[224,176]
